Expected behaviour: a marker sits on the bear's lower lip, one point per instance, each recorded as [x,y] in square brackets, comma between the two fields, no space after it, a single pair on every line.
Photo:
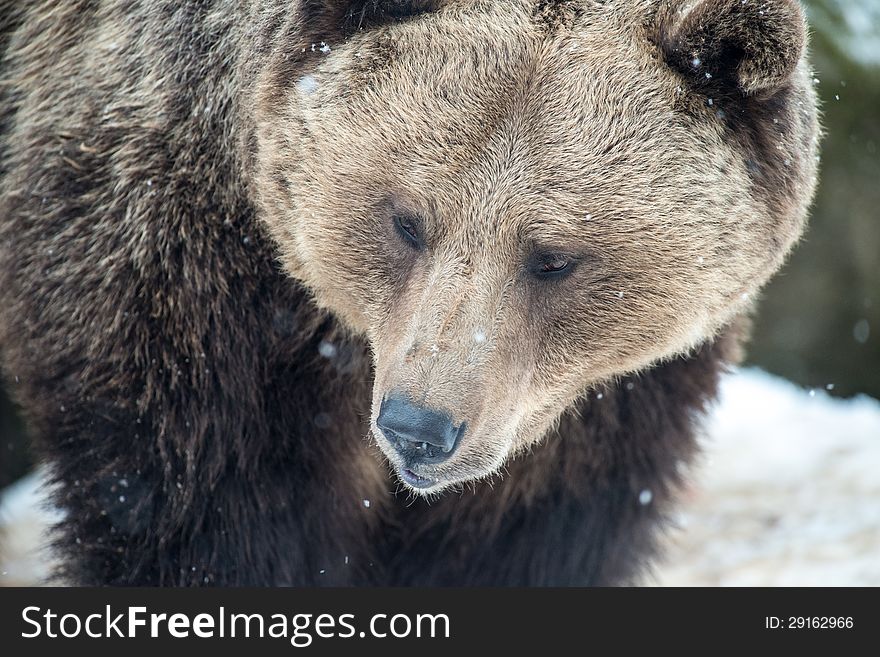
[414,480]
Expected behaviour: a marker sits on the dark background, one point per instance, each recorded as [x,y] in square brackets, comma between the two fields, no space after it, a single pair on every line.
[819,320]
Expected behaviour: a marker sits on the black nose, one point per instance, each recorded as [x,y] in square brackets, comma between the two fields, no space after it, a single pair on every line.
[417,432]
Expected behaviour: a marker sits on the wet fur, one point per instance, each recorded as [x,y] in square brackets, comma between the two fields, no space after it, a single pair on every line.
[170,372]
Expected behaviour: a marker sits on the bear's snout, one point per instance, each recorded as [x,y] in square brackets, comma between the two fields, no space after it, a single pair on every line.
[420,435]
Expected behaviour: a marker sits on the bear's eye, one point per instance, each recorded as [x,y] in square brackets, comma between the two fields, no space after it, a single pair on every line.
[551,265]
[409,228]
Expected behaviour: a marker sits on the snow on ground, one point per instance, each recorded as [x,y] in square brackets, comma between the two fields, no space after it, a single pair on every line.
[787,493]
[24,518]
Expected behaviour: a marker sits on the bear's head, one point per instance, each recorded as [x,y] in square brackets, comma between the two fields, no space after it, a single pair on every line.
[514,201]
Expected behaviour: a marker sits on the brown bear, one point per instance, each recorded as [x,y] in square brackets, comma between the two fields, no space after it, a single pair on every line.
[426,292]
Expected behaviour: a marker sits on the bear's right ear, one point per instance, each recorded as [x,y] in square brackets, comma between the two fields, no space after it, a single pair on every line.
[752,46]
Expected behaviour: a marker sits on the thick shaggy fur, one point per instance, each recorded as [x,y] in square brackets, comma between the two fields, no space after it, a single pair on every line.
[206,413]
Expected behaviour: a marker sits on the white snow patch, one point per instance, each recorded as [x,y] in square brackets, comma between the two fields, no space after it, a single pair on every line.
[25,517]
[787,493]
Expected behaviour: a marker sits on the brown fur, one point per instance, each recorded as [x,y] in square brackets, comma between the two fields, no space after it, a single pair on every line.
[630,169]
[204,413]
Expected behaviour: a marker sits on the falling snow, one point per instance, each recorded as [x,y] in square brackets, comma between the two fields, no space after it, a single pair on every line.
[307,85]
[862,331]
[327,349]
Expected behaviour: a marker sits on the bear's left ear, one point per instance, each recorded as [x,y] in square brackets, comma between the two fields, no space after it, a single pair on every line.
[748,45]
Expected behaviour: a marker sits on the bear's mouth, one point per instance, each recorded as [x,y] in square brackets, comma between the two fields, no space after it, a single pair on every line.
[416,480]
